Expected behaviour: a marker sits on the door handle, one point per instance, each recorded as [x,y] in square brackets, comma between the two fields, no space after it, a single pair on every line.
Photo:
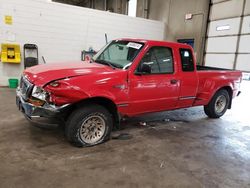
[173,81]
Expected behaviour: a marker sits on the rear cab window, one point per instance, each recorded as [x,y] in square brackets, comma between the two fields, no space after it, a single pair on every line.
[187,61]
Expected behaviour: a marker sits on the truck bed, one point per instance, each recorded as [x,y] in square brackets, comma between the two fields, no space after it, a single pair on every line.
[212,78]
[206,68]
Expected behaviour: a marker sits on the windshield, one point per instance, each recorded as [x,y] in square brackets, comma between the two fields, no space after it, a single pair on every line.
[118,53]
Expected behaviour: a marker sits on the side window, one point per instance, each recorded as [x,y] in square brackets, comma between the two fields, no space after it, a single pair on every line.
[187,61]
[159,59]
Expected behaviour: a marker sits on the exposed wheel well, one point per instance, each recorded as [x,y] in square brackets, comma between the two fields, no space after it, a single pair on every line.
[105,102]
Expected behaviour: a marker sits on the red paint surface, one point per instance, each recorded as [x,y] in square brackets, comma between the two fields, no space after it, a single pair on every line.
[136,94]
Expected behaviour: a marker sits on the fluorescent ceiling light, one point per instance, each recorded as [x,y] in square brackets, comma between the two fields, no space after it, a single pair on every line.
[222,27]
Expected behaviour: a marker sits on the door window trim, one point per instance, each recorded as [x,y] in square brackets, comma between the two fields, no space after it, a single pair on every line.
[173,62]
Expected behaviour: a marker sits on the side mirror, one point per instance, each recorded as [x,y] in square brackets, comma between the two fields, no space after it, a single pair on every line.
[145,68]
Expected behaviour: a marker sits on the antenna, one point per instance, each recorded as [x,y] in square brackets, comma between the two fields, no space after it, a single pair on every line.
[106,38]
[43,60]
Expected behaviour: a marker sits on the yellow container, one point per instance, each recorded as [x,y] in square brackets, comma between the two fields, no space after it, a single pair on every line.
[10,53]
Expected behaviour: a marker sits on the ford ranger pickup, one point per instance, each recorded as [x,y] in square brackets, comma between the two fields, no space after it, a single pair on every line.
[127,77]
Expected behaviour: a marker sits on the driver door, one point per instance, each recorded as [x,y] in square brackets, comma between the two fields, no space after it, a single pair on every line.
[156,87]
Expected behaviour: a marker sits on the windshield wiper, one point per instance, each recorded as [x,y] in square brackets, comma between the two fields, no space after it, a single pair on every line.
[101,61]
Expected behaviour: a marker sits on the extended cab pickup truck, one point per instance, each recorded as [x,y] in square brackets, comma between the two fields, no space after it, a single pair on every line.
[127,77]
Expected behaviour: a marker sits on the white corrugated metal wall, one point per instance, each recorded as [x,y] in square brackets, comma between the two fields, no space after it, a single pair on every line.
[228,36]
[63,31]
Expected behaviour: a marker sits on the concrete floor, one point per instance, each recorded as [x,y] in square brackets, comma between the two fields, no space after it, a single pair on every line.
[181,148]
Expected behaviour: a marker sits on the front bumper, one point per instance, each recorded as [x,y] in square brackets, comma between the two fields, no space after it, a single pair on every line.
[42,115]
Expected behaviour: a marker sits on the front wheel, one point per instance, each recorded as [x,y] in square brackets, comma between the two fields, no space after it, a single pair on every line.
[218,104]
[89,126]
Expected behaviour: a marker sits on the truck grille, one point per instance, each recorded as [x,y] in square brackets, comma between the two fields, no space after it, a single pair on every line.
[25,87]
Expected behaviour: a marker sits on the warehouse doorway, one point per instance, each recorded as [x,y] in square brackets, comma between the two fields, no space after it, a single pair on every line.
[186,41]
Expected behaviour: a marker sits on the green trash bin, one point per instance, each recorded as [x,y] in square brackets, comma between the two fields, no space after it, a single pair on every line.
[13,83]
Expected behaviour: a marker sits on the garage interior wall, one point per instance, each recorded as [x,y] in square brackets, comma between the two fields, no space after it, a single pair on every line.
[228,40]
[117,6]
[62,31]
[172,13]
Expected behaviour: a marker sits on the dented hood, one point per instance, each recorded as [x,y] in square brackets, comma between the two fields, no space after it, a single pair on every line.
[42,74]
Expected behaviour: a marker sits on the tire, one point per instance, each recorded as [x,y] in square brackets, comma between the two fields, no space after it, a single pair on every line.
[89,126]
[218,105]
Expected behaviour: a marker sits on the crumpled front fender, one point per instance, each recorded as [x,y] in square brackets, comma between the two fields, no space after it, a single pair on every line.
[65,93]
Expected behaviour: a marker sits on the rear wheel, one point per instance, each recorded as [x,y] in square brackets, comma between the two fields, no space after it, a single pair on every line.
[218,104]
[89,126]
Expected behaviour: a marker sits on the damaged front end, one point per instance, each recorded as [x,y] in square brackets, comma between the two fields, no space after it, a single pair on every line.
[35,104]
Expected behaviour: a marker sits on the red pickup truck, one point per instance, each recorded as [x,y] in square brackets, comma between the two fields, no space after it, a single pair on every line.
[127,77]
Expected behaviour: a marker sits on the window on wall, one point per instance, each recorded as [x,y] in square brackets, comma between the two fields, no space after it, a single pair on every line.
[160,60]
[187,61]
[132,5]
